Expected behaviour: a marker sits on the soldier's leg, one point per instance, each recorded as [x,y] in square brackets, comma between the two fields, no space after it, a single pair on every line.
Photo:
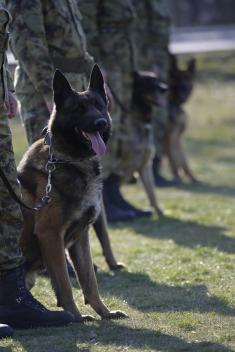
[160,63]
[17,307]
[33,111]
[10,213]
[111,162]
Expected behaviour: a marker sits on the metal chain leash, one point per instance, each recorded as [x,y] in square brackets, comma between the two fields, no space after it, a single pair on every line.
[50,167]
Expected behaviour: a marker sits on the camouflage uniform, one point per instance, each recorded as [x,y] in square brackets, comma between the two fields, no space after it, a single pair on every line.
[108,27]
[10,213]
[46,35]
[152,38]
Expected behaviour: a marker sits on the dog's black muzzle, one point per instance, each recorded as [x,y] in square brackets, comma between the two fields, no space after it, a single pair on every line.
[101,124]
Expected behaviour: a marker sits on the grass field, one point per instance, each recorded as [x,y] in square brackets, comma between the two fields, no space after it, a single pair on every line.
[179,285]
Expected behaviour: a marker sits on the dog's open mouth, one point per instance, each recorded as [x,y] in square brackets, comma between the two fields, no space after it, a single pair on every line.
[96,141]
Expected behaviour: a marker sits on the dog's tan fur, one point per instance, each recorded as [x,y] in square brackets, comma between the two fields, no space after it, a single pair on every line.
[180,88]
[138,148]
[75,196]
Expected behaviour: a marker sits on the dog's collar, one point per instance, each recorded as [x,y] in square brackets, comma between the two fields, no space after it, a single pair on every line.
[52,160]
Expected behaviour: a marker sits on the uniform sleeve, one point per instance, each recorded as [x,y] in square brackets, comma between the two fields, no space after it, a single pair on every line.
[29,44]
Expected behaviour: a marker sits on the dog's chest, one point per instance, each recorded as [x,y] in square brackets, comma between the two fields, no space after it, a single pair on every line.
[81,198]
[139,149]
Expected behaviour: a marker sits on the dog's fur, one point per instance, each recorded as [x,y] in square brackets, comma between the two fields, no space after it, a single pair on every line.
[138,149]
[180,88]
[75,196]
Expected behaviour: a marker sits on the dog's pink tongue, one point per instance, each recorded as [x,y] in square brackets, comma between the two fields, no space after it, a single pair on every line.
[97,143]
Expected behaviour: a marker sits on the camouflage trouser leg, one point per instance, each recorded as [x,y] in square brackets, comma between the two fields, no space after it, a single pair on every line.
[121,85]
[10,213]
[111,162]
[158,58]
[32,107]
[161,118]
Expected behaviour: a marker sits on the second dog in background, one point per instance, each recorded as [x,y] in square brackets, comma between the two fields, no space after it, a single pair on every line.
[181,84]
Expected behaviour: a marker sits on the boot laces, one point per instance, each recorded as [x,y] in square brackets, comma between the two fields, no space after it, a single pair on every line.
[25,297]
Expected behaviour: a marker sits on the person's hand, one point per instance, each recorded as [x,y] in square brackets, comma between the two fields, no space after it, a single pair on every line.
[11,105]
[50,104]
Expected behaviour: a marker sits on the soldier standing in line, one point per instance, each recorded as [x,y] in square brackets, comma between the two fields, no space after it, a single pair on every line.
[108,26]
[152,38]
[18,307]
[46,34]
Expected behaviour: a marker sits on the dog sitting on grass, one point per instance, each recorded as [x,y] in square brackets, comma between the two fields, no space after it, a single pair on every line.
[138,148]
[180,88]
[66,165]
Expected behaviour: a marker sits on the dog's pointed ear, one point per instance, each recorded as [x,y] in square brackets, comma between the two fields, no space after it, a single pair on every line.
[192,66]
[96,83]
[61,88]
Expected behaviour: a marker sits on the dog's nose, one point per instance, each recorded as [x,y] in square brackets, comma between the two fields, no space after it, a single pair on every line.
[100,123]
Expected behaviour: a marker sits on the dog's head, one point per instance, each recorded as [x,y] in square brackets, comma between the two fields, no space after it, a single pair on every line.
[148,90]
[181,81]
[80,124]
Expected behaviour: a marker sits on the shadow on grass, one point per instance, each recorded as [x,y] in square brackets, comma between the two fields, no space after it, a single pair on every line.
[206,188]
[185,233]
[117,336]
[146,295]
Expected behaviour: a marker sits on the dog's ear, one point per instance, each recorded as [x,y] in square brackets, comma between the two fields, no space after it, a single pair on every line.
[192,66]
[61,88]
[96,83]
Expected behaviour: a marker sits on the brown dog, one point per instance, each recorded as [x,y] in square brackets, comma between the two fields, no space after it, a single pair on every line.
[138,148]
[180,89]
[68,168]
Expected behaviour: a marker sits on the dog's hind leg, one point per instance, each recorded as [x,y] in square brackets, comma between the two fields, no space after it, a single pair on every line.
[81,258]
[184,162]
[147,179]
[173,153]
[101,229]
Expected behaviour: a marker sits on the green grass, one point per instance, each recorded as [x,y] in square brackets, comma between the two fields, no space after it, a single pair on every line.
[179,285]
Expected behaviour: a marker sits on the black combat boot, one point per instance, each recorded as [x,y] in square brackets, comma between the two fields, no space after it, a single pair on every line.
[113,212]
[5,331]
[161,181]
[112,184]
[19,309]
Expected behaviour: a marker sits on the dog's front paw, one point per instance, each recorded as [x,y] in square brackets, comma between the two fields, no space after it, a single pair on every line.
[117,266]
[83,318]
[116,314]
